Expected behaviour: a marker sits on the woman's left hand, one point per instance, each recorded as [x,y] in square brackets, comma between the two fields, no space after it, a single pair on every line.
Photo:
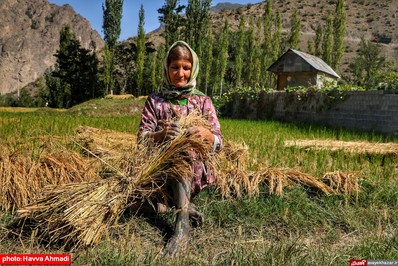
[202,133]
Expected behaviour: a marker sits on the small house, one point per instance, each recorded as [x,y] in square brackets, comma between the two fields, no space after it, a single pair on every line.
[295,68]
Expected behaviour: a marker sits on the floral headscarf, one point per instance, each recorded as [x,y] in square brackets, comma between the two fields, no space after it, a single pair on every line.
[194,71]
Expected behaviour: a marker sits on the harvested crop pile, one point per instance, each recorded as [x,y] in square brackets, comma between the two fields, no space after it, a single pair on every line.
[22,178]
[348,146]
[85,200]
[234,178]
[81,213]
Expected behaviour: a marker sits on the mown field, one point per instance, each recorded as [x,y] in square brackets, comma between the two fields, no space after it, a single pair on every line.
[301,227]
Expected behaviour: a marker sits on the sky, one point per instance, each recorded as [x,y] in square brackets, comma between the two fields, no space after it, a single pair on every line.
[92,11]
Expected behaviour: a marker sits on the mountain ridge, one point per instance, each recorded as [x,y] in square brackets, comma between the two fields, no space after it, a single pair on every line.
[365,19]
[29,31]
[29,38]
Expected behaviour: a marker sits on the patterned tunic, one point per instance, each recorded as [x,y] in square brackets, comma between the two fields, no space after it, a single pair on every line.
[157,108]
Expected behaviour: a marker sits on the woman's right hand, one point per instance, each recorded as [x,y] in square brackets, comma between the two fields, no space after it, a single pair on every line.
[170,131]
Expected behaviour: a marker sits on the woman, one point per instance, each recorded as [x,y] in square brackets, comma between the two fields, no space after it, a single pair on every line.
[181,67]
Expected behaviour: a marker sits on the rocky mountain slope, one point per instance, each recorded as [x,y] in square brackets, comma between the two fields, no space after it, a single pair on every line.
[29,31]
[29,38]
[220,7]
[365,18]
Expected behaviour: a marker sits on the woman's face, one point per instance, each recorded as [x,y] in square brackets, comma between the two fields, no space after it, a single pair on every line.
[179,72]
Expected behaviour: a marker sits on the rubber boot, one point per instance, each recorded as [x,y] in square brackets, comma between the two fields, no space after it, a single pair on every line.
[197,218]
[179,241]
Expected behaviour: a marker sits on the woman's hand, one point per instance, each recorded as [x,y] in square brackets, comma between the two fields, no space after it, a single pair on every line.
[170,131]
[202,133]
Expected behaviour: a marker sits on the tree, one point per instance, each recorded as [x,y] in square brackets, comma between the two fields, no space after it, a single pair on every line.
[161,52]
[267,54]
[310,47]
[295,30]
[197,20]
[196,24]
[112,15]
[339,32]
[222,56]
[251,54]
[152,71]
[256,69]
[327,42]
[108,70]
[277,38]
[367,64]
[111,21]
[207,57]
[192,14]
[75,78]
[125,54]
[318,40]
[57,94]
[240,45]
[140,51]
[171,19]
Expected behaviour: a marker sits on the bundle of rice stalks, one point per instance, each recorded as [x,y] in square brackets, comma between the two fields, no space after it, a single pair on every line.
[233,177]
[343,182]
[276,179]
[232,182]
[22,178]
[235,154]
[67,167]
[80,214]
[231,171]
[193,119]
[307,180]
[17,180]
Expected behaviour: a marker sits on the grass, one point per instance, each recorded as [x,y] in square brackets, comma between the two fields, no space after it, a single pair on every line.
[302,227]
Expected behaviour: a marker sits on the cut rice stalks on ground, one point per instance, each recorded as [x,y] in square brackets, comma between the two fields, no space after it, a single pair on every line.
[79,207]
[105,143]
[343,182]
[235,183]
[23,178]
[347,146]
[81,213]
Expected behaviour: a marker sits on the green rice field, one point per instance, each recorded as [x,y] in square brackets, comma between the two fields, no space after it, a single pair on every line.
[301,227]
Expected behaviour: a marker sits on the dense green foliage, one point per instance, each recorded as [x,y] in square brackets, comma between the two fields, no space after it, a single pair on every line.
[295,30]
[268,47]
[172,20]
[339,33]
[228,59]
[112,16]
[368,64]
[140,61]
[240,41]
[327,42]
[197,21]
[75,77]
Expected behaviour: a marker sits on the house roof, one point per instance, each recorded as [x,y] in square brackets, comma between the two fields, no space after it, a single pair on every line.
[314,63]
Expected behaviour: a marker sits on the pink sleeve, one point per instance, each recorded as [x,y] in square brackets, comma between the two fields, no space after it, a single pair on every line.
[210,112]
[149,120]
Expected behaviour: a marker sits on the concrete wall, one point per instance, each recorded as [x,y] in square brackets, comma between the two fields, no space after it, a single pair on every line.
[357,110]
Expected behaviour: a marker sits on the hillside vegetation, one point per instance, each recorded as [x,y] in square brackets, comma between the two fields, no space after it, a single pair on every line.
[365,19]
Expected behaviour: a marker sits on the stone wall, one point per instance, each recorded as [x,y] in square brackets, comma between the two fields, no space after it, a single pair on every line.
[357,110]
